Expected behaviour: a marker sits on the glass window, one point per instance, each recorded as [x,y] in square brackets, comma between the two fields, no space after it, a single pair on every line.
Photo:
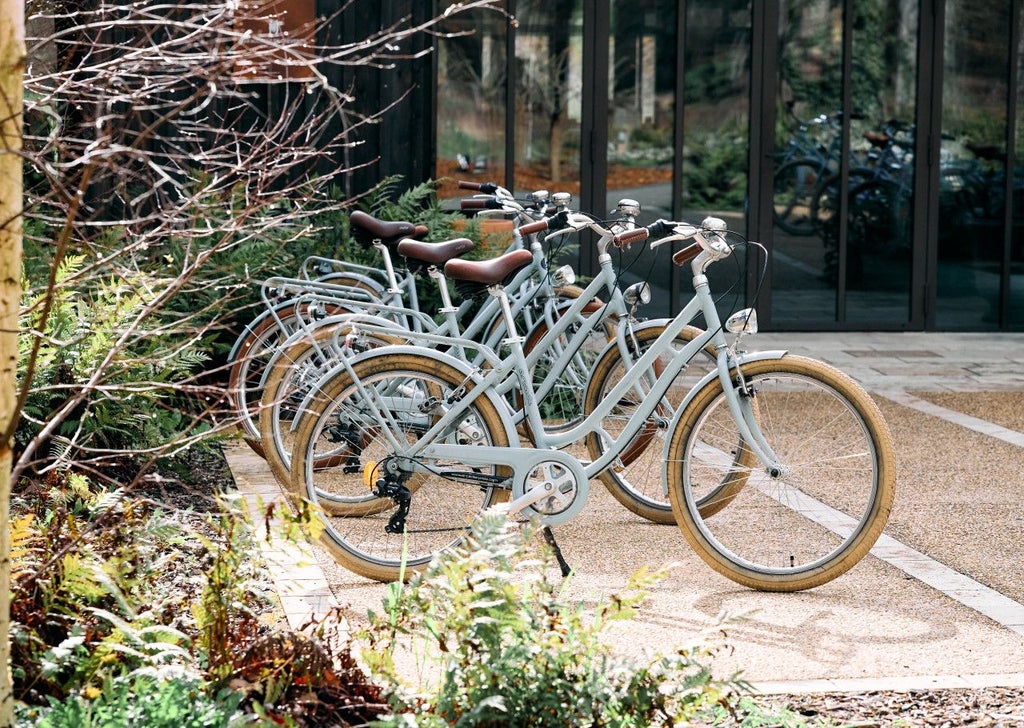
[1015,310]
[642,61]
[806,181]
[827,266]
[471,73]
[880,198]
[716,133]
[549,88]
[973,165]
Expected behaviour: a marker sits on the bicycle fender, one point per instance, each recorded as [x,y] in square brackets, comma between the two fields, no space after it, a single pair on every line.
[472,374]
[753,356]
[304,334]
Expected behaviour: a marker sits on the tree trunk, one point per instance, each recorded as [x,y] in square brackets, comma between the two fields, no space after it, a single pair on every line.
[12,61]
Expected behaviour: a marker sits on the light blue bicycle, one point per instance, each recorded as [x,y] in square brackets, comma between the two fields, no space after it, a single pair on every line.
[779,469]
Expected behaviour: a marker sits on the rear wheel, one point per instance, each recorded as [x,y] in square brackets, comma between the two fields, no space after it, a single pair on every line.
[568,359]
[635,479]
[293,374]
[403,513]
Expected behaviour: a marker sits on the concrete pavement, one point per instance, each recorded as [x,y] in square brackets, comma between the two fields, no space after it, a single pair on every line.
[938,603]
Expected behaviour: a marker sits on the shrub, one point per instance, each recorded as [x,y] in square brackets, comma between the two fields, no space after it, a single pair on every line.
[142,701]
[510,650]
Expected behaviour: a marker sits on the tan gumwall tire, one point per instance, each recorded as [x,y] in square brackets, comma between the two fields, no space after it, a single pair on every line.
[635,479]
[442,508]
[253,352]
[777,533]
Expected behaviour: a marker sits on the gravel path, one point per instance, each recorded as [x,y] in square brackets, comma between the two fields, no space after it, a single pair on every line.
[975,707]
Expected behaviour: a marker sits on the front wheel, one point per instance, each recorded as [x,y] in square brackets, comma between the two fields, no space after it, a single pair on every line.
[634,479]
[810,523]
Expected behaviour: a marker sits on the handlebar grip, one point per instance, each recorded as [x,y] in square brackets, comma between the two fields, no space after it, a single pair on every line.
[533,227]
[631,236]
[684,256]
[480,203]
[488,188]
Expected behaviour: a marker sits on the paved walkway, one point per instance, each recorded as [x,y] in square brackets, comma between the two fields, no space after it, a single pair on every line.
[940,603]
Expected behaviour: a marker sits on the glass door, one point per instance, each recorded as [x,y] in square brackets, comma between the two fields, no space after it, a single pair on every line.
[844,166]
[973,165]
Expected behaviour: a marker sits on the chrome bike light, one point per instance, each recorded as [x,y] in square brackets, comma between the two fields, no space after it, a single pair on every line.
[564,276]
[638,293]
[742,322]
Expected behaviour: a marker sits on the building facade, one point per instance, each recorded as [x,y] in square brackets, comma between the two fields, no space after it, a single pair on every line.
[872,147]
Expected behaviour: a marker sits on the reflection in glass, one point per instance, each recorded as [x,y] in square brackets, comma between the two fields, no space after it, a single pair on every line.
[1015,309]
[641,119]
[819,255]
[879,234]
[642,56]
[716,131]
[549,85]
[973,165]
[808,145]
[471,75]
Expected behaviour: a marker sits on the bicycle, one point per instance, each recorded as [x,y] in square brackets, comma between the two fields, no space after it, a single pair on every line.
[430,443]
[803,170]
[328,288]
[538,299]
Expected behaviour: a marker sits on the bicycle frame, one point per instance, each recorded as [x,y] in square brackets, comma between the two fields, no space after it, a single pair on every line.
[604,282]
[524,461]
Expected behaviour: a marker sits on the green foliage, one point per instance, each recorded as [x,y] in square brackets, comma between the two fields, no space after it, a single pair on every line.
[95,341]
[509,649]
[91,595]
[748,713]
[715,169]
[141,700]
[224,622]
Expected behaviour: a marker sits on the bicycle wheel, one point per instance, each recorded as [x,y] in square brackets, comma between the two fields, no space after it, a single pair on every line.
[795,185]
[573,355]
[253,351]
[396,528]
[293,373]
[635,479]
[809,524]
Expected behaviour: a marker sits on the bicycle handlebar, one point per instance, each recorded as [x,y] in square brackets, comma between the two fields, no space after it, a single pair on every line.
[556,221]
[488,188]
[481,203]
[709,237]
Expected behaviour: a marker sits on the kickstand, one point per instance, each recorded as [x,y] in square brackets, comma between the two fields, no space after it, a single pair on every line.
[562,563]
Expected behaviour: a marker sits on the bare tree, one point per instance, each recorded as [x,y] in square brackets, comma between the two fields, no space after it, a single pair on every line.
[170,149]
[12,56]
[158,148]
